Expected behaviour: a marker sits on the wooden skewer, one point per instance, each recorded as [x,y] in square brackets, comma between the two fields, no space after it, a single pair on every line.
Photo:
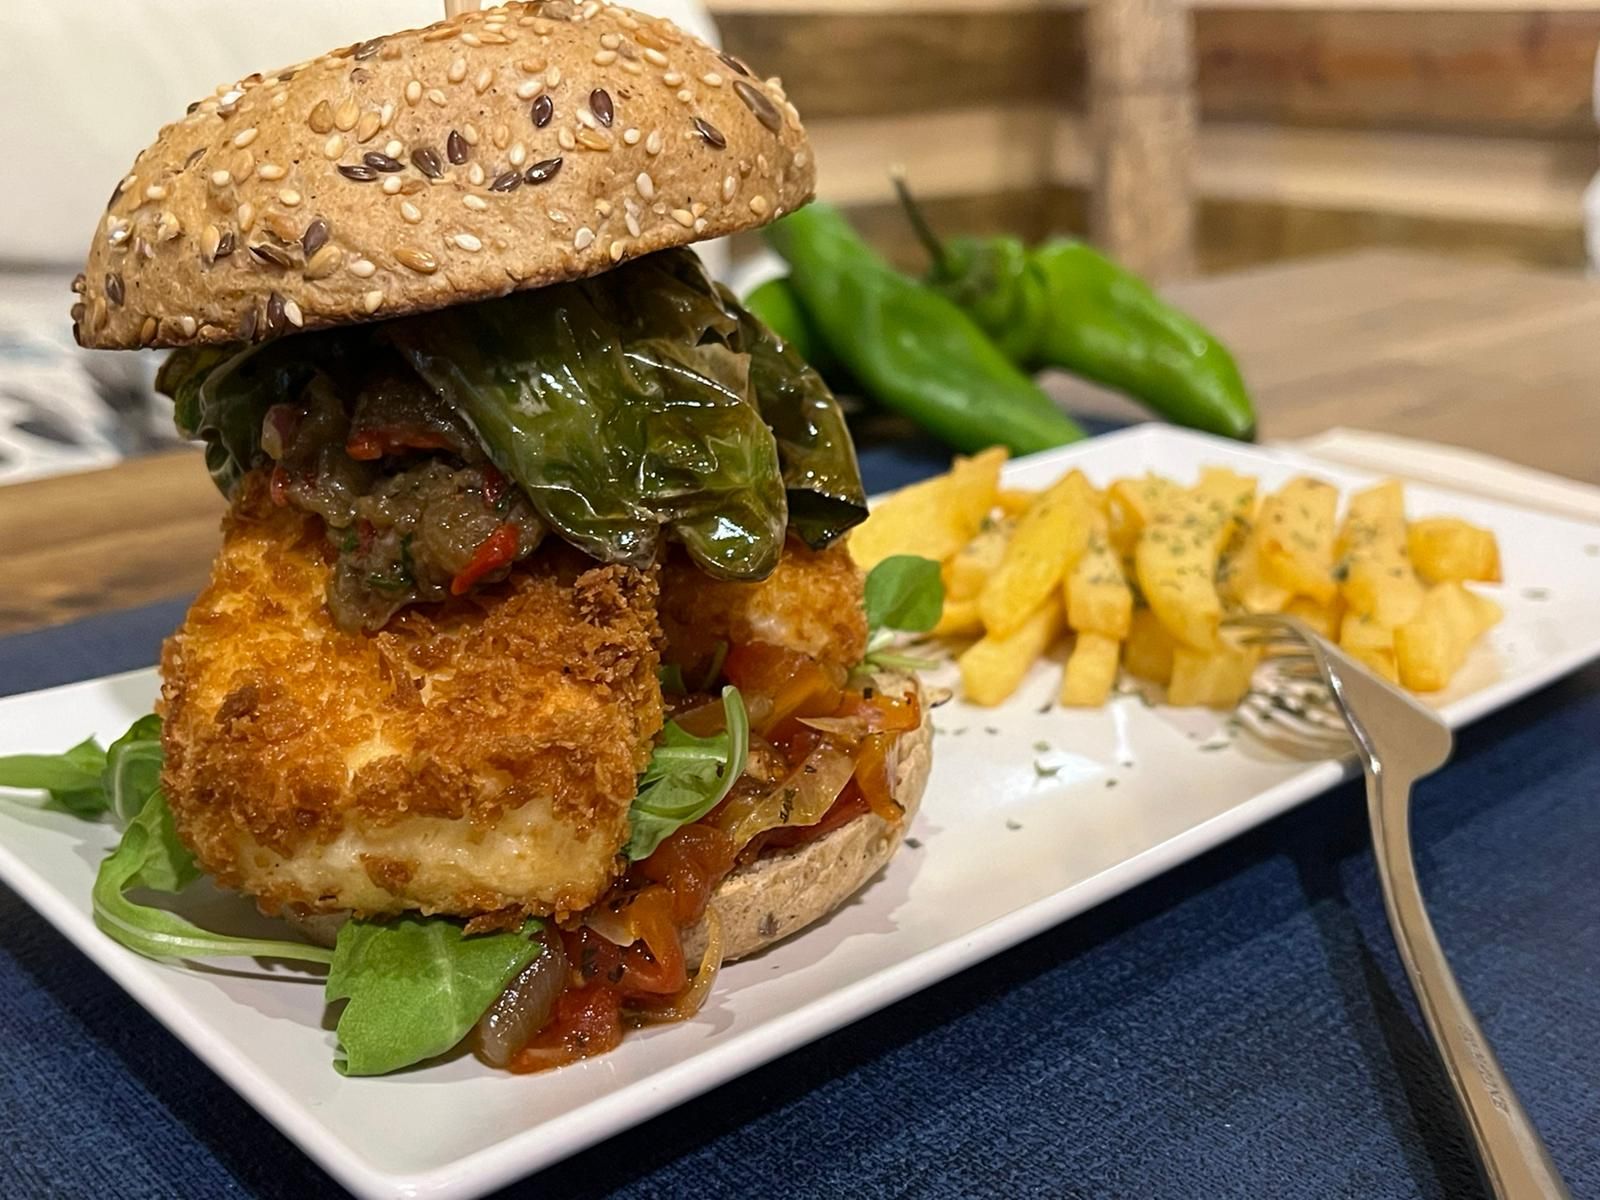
[454,8]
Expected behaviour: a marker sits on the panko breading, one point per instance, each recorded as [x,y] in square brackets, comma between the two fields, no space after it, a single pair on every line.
[811,603]
[472,757]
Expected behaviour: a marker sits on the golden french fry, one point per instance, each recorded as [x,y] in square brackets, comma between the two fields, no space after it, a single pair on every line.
[1431,647]
[1214,678]
[1013,502]
[1176,559]
[1369,641]
[933,518]
[1295,530]
[1243,581]
[1147,652]
[993,666]
[1044,546]
[1448,549]
[970,567]
[959,618]
[1091,670]
[1323,618]
[1378,578]
[1098,597]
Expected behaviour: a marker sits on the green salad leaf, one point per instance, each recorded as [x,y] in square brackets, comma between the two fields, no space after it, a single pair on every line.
[687,777]
[73,779]
[415,986]
[904,594]
[133,768]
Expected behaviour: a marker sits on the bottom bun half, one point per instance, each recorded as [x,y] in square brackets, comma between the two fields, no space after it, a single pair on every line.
[782,893]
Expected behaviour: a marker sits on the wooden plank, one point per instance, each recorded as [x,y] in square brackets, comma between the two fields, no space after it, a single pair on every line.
[881,63]
[1525,73]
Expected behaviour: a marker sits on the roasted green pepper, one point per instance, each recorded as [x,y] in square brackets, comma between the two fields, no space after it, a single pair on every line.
[911,348]
[1064,304]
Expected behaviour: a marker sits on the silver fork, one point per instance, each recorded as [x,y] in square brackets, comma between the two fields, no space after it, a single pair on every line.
[1398,742]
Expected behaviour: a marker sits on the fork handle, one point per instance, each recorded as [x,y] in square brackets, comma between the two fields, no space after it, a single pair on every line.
[1515,1162]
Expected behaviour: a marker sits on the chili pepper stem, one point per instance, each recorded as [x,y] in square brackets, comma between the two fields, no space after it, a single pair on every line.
[919,221]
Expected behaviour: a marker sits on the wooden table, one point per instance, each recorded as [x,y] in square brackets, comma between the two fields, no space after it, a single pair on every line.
[1495,358]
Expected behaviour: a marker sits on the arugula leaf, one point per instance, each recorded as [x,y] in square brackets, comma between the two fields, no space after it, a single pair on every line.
[670,676]
[904,592]
[416,986]
[151,856]
[73,779]
[687,777]
[133,768]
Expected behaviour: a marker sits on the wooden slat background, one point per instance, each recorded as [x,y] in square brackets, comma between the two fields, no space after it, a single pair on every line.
[1324,128]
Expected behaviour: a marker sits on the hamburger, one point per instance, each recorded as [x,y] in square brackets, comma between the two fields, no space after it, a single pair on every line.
[532,627]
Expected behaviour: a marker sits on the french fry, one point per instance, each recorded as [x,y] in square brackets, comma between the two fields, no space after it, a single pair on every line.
[1243,582]
[1379,581]
[1369,641]
[993,666]
[959,618]
[1014,502]
[970,567]
[1098,597]
[1295,531]
[933,518]
[1322,618]
[1176,559]
[1448,549]
[1045,545]
[1214,678]
[1147,652]
[1133,501]
[1431,647]
[1091,670]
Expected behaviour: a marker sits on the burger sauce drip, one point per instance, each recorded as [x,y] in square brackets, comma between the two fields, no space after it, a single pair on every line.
[612,986]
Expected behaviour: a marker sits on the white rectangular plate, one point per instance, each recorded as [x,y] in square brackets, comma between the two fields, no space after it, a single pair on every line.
[1068,837]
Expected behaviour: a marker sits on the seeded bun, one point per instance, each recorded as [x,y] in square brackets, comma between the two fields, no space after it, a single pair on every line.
[509,148]
[781,894]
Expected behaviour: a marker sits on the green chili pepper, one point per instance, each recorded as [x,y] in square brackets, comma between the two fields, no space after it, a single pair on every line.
[1064,304]
[911,348]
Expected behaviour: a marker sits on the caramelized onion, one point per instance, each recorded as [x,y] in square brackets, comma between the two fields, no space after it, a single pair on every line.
[689,1002]
[850,728]
[524,1007]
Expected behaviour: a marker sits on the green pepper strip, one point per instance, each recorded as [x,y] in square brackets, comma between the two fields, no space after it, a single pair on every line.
[1063,304]
[910,347]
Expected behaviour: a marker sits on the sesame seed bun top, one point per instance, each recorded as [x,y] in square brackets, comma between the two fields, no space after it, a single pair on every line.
[509,148]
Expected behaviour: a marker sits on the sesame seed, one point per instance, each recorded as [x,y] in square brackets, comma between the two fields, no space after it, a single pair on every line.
[553,76]
[435,96]
[604,58]
[602,208]
[632,221]
[529,88]
[221,179]
[617,247]
[646,185]
[683,217]
[334,146]
[471,39]
[630,137]
[393,147]
[583,239]
[363,268]
[391,185]
[458,70]
[801,158]
[417,259]
[243,163]
[210,242]
[245,136]
[631,66]
[699,224]
[567,141]
[729,186]
[188,325]
[685,95]
[652,144]
[413,92]
[475,175]
[588,118]
[500,135]
[474,201]
[469,134]
[411,213]
[610,41]
[759,205]
[711,79]
[386,114]
[556,216]
[270,171]
[371,300]
[247,218]
[155,192]
[481,82]
[518,154]
[147,331]
[468,242]
[543,171]
[655,57]
[673,78]
[291,310]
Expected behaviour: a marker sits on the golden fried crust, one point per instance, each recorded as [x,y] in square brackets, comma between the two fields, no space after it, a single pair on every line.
[474,756]
[811,603]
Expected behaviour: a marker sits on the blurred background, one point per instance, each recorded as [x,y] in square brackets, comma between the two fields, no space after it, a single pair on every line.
[1184,140]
